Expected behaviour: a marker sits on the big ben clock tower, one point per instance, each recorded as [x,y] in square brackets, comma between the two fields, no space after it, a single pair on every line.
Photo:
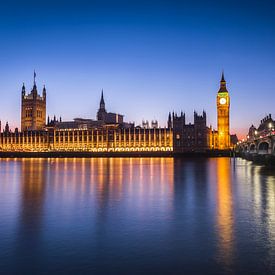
[223,106]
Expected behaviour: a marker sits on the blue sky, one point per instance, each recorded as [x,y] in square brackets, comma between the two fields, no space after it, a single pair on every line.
[150,57]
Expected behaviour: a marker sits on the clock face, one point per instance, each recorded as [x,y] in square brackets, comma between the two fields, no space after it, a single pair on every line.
[222,101]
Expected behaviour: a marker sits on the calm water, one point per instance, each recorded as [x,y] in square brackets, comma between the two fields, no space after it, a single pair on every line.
[133,216]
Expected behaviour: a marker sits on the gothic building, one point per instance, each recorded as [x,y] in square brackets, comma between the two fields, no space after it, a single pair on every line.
[109,133]
[197,137]
[33,109]
[102,114]
[105,117]
[189,137]
[223,116]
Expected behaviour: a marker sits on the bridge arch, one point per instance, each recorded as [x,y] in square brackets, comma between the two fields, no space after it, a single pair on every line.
[241,148]
[252,148]
[263,147]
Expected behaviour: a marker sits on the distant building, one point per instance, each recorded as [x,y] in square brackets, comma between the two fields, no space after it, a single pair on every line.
[33,109]
[266,127]
[104,116]
[145,124]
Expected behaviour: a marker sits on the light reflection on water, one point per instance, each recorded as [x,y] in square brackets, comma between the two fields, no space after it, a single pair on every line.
[225,215]
[132,215]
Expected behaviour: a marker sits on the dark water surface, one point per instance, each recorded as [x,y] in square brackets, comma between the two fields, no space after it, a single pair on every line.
[136,215]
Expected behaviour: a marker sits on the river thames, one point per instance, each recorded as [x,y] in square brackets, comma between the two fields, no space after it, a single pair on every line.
[136,216]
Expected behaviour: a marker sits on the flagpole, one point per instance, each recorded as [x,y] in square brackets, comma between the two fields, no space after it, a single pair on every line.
[34,76]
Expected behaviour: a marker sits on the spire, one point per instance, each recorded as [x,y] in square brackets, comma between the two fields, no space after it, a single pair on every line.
[102,98]
[222,80]
[44,92]
[34,89]
[223,84]
[23,90]
[102,103]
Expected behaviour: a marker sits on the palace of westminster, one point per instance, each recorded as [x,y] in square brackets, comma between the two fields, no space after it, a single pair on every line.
[109,132]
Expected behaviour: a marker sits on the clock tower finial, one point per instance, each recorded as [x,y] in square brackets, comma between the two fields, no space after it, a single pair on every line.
[222,80]
[223,84]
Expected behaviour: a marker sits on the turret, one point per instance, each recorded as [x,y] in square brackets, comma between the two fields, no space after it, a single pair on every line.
[200,119]
[44,92]
[34,89]
[7,128]
[23,90]
[33,108]
[169,122]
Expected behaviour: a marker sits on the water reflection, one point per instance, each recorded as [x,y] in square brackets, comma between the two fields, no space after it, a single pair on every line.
[225,216]
[33,185]
[127,215]
[271,219]
[29,226]
[263,194]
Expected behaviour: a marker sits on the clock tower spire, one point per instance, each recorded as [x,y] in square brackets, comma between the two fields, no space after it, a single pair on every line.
[223,115]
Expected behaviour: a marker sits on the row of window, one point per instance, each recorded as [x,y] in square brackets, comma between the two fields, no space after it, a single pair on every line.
[29,113]
[34,139]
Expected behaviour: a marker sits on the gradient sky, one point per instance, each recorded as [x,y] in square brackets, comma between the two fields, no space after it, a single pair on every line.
[150,57]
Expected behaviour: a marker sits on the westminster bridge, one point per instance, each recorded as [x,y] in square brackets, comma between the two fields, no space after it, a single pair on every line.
[259,148]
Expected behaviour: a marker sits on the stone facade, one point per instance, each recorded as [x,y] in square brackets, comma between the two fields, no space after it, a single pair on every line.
[223,116]
[109,132]
[33,109]
[190,137]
